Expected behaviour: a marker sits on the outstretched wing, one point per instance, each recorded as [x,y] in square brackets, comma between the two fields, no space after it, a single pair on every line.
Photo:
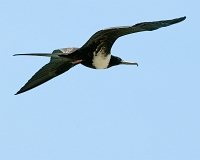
[47,72]
[109,36]
[55,67]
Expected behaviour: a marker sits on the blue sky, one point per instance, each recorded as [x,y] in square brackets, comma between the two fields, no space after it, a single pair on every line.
[150,112]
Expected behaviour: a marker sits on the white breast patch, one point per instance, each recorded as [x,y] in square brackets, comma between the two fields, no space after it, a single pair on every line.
[100,61]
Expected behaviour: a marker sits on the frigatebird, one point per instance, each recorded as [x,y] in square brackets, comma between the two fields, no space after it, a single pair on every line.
[95,53]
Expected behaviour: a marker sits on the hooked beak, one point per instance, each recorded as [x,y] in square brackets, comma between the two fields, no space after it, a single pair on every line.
[129,63]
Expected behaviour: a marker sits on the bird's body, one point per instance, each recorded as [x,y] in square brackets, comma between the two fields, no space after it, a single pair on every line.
[95,53]
[101,60]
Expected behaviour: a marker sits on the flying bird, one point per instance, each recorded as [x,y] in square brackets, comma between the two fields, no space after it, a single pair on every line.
[95,53]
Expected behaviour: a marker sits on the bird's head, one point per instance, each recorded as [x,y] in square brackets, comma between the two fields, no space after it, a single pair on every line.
[116,61]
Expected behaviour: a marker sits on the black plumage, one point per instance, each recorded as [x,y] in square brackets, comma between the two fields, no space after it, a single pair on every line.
[95,53]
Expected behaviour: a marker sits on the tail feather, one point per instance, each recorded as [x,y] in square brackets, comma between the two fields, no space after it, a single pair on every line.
[39,54]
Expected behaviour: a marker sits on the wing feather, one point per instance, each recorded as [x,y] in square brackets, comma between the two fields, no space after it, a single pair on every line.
[47,72]
[57,65]
[111,34]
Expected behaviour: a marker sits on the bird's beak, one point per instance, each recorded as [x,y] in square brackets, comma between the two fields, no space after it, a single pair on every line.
[129,63]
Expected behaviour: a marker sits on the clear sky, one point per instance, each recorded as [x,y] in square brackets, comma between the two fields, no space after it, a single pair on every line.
[149,112]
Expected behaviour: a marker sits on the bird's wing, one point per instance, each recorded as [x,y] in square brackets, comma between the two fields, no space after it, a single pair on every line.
[55,67]
[47,72]
[108,36]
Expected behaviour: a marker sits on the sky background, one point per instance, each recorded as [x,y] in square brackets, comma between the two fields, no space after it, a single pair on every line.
[149,112]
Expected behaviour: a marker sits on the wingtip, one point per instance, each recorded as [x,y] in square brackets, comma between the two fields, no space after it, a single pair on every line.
[20,91]
[183,18]
[180,19]
[17,93]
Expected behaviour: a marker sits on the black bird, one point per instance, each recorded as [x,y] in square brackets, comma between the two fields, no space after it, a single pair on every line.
[95,53]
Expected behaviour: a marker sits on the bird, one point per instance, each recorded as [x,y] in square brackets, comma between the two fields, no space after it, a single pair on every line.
[95,53]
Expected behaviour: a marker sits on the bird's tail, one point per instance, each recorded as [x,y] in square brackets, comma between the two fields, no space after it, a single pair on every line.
[39,54]
[52,56]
